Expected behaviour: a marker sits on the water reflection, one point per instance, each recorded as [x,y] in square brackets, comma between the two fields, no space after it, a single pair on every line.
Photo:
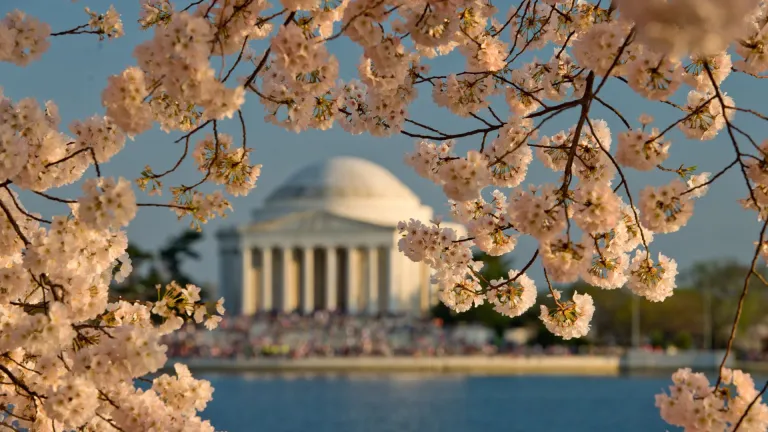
[439,403]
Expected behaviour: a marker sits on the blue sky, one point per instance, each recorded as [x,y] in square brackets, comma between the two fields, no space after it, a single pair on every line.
[75,69]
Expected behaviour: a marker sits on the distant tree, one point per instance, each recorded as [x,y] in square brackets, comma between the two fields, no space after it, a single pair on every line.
[135,285]
[720,282]
[682,312]
[176,250]
[657,338]
[683,340]
[162,267]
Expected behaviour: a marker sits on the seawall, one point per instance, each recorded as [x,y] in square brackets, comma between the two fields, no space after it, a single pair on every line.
[473,365]
[633,362]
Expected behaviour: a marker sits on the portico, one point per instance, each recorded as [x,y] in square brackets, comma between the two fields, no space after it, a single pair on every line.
[327,240]
[351,279]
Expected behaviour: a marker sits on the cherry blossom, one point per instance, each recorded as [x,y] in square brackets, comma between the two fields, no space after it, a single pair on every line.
[569,319]
[513,296]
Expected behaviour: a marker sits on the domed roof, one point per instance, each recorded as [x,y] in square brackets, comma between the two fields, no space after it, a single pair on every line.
[342,178]
[345,186]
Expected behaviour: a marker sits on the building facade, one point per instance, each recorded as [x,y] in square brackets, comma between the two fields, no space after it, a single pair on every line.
[327,240]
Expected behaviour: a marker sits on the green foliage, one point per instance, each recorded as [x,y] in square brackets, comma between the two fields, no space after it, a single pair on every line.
[708,290]
[657,338]
[683,340]
[719,283]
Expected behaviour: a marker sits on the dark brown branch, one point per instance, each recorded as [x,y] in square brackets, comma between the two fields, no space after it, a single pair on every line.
[237,61]
[750,73]
[626,189]
[19,208]
[53,198]
[451,136]
[214,159]
[480,119]
[263,61]
[173,206]
[556,108]
[191,5]
[18,383]
[193,131]
[740,306]
[533,37]
[749,111]
[522,141]
[495,116]
[712,180]
[110,422]
[527,266]
[624,45]
[694,112]
[729,128]
[421,125]
[749,407]
[175,166]
[585,102]
[506,24]
[14,224]
[615,111]
[77,30]
[66,158]
[242,127]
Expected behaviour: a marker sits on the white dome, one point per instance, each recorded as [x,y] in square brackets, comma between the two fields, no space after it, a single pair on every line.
[342,178]
[347,186]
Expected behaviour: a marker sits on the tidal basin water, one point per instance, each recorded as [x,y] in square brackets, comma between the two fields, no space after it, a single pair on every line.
[435,403]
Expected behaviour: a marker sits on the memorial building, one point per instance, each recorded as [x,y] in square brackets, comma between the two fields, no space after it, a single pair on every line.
[327,240]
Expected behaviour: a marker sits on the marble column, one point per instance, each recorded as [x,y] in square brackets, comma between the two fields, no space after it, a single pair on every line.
[372,286]
[394,281]
[353,280]
[265,302]
[308,287]
[248,294]
[331,278]
[289,281]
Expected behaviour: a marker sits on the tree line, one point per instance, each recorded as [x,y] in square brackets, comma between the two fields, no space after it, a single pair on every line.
[698,315]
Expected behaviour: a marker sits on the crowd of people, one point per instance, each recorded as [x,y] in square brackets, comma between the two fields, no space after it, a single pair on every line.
[324,334]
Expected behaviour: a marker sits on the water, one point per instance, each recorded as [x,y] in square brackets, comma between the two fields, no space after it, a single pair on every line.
[437,403]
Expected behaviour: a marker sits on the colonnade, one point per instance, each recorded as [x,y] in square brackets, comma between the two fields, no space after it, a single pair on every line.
[350,279]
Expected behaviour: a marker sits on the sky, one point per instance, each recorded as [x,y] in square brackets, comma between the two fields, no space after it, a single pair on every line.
[74,71]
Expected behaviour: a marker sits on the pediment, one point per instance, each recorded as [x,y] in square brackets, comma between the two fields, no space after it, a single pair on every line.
[315,221]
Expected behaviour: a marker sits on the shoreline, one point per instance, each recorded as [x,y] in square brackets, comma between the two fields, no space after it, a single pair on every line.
[466,365]
[631,363]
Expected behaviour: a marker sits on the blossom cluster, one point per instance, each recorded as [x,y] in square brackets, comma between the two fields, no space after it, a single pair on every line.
[695,405]
[70,351]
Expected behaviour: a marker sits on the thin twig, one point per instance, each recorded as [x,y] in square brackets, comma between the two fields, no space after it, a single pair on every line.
[53,198]
[740,305]
[19,208]
[615,111]
[712,180]
[14,224]
[749,407]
